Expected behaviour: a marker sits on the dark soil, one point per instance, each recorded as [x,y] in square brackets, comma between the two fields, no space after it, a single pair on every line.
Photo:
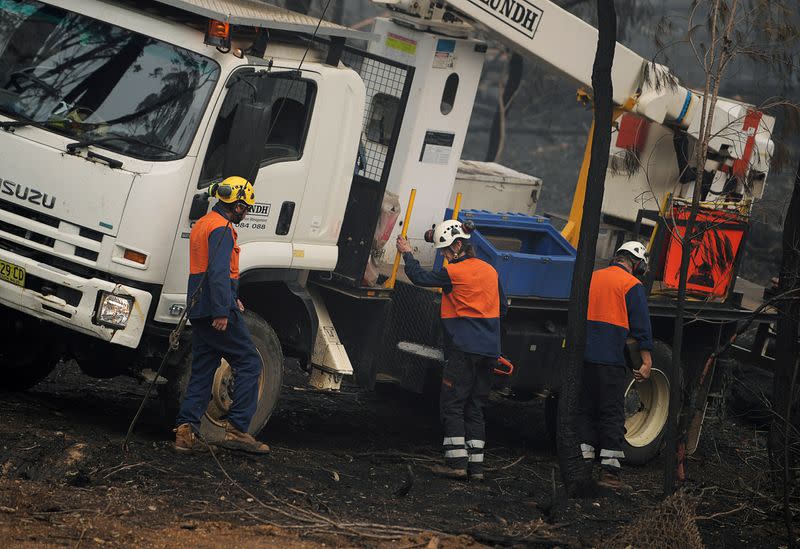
[345,470]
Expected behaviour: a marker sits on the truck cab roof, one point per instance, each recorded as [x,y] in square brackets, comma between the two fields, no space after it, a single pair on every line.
[256,14]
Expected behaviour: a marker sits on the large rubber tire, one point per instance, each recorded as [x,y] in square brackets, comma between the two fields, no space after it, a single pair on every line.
[212,425]
[647,408]
[28,356]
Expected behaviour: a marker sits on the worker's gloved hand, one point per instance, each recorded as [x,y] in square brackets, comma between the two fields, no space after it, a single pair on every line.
[402,245]
[220,323]
[241,305]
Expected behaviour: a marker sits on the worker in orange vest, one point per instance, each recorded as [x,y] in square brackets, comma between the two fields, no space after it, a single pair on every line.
[617,312]
[218,327]
[472,305]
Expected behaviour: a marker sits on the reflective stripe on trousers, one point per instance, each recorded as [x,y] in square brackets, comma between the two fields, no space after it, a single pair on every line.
[455,452]
[609,459]
[475,448]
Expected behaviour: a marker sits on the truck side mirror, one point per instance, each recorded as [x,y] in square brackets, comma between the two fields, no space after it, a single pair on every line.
[199,206]
[246,140]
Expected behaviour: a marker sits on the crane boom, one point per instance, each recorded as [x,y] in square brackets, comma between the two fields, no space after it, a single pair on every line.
[543,30]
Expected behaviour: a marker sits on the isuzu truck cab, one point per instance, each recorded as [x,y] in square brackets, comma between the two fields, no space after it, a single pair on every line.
[115,117]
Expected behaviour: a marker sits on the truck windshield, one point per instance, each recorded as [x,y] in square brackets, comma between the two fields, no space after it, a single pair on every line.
[91,80]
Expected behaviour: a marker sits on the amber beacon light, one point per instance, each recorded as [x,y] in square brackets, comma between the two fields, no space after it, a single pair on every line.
[218,33]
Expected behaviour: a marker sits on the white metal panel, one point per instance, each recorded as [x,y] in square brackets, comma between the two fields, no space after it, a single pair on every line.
[433,178]
[656,176]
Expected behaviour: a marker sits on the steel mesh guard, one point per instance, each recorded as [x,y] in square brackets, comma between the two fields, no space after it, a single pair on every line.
[669,525]
[414,317]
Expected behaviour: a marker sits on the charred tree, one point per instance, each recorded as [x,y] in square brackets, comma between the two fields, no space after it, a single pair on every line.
[575,473]
[783,436]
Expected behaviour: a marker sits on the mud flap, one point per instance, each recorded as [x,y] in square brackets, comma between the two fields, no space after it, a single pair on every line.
[329,361]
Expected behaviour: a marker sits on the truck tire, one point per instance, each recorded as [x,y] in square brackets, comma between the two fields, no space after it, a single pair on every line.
[24,360]
[647,408]
[213,422]
[21,371]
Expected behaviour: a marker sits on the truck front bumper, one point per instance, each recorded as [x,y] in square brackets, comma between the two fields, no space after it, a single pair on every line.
[70,301]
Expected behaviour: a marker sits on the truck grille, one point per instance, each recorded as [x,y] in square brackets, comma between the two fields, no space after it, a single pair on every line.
[43,232]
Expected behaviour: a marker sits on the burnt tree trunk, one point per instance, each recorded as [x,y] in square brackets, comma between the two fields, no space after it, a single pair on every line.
[783,439]
[575,473]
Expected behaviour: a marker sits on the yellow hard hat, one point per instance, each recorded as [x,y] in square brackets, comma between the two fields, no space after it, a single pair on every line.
[234,189]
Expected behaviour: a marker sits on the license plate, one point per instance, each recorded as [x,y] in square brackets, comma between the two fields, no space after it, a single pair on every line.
[12,273]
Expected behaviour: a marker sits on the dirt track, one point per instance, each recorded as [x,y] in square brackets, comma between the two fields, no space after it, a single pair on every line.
[345,470]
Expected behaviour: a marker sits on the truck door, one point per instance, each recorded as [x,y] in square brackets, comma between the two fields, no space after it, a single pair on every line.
[283,171]
[281,178]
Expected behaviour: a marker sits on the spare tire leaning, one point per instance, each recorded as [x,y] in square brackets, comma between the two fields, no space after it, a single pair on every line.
[647,408]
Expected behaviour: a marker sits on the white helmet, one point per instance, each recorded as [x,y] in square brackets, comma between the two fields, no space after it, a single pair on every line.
[447,232]
[636,249]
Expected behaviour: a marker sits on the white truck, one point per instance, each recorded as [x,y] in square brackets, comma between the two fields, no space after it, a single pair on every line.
[116,115]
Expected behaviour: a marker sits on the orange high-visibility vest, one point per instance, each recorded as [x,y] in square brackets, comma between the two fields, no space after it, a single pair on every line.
[474,293]
[198,244]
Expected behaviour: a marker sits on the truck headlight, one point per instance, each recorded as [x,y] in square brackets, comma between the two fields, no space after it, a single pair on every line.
[114,310]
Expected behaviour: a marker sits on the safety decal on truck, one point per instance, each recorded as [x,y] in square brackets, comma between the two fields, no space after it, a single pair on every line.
[436,148]
[401,43]
[445,56]
[520,15]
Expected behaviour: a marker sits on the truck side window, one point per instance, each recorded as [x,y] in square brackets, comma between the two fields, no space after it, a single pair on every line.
[382,118]
[291,116]
[290,101]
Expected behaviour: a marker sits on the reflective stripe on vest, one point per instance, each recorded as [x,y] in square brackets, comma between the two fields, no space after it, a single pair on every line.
[474,293]
[198,244]
[607,293]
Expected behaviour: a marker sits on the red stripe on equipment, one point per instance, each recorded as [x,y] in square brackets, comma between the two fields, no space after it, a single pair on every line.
[751,122]
[632,133]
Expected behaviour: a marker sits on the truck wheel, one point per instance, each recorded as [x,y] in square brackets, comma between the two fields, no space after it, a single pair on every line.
[647,407]
[269,384]
[23,367]
[31,351]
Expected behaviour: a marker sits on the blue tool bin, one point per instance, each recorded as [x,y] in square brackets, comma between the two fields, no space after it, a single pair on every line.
[530,255]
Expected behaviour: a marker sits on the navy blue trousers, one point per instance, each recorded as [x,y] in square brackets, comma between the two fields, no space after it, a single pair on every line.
[209,346]
[602,413]
[466,382]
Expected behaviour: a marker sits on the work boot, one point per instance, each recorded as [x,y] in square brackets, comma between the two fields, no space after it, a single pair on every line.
[237,440]
[476,477]
[186,440]
[612,480]
[449,472]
